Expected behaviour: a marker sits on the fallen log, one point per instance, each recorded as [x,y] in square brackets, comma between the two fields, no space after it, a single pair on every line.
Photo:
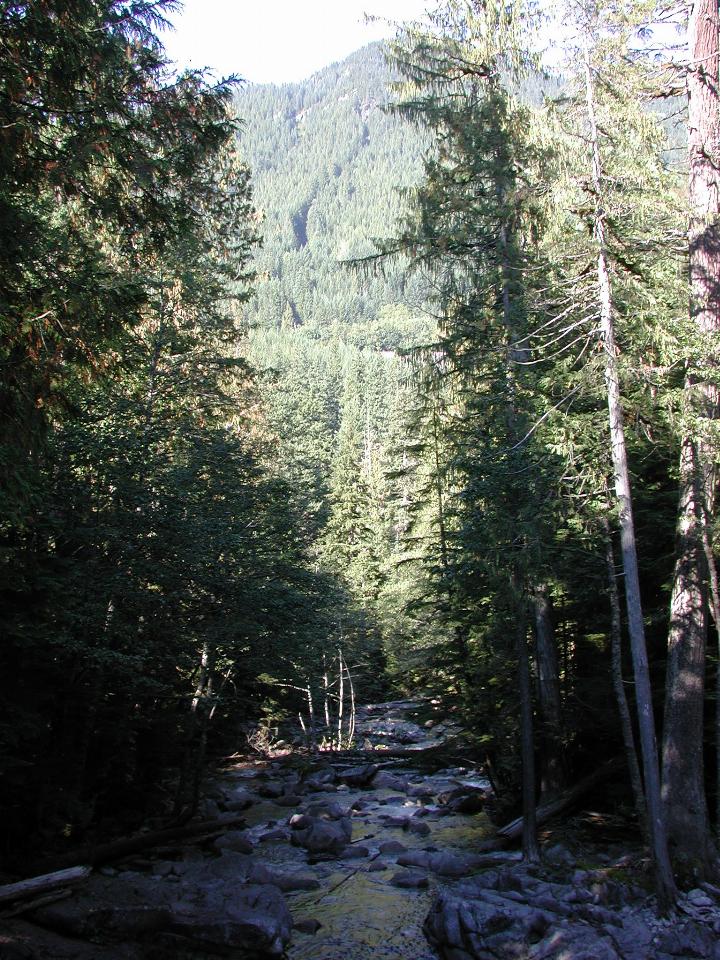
[29,905]
[95,855]
[513,830]
[35,886]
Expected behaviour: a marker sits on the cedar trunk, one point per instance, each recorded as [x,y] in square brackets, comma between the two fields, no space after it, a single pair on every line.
[685,805]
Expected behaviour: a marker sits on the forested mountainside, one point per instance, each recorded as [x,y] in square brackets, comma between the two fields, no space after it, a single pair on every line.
[332,172]
[329,168]
[245,483]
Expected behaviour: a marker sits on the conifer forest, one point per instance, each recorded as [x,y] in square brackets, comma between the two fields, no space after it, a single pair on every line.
[397,385]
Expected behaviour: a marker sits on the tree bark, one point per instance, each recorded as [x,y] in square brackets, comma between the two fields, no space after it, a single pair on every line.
[48,881]
[552,760]
[684,797]
[531,849]
[626,728]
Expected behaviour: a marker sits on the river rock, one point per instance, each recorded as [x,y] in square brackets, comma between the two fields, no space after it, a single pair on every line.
[420,791]
[389,781]
[354,852]
[256,919]
[410,880]
[418,827]
[235,840]
[687,939]
[239,799]
[125,921]
[289,800]
[392,846]
[359,776]
[441,863]
[482,929]
[397,731]
[287,882]
[271,791]
[321,779]
[463,800]
[276,833]
[323,828]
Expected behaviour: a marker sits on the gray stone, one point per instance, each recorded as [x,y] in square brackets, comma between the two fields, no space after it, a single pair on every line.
[359,776]
[410,880]
[328,810]
[323,836]
[256,919]
[441,863]
[354,852]
[239,799]
[321,779]
[287,882]
[271,791]
[234,840]
[289,800]
[491,927]
[392,846]
[309,926]
[125,921]
[558,854]
[278,833]
[420,790]
[418,827]
[688,939]
[383,780]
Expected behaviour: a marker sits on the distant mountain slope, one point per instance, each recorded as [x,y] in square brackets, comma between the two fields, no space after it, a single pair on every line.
[328,166]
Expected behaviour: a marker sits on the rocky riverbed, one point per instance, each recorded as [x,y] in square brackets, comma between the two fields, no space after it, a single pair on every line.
[371,857]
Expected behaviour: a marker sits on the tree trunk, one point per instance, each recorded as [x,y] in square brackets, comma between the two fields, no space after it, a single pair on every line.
[715,608]
[531,850]
[683,774]
[626,728]
[665,884]
[552,765]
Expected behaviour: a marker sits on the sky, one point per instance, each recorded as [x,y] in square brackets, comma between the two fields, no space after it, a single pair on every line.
[278,41]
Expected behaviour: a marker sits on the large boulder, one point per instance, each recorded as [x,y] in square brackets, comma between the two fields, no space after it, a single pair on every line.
[256,920]
[324,828]
[483,929]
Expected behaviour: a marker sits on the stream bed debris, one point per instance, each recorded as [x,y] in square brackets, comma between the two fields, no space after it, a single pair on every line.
[367,859]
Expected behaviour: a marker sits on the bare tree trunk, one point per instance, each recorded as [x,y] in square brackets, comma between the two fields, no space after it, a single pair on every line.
[715,608]
[187,794]
[351,722]
[326,701]
[619,686]
[552,772]
[311,719]
[665,884]
[531,849]
[683,773]
[341,699]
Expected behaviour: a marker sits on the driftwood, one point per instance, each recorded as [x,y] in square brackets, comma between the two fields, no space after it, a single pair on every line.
[513,830]
[126,846]
[19,908]
[37,886]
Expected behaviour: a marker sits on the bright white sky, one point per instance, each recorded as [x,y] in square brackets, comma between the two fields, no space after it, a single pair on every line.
[278,41]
